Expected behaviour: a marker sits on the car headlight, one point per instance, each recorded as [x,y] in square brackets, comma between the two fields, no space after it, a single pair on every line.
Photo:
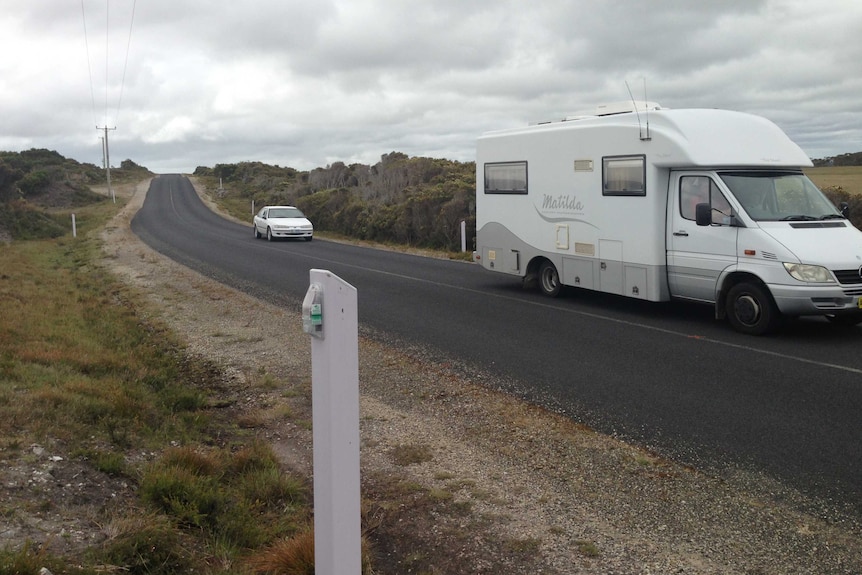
[808,273]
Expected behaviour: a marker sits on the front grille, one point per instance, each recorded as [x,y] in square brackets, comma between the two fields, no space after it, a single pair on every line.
[846,277]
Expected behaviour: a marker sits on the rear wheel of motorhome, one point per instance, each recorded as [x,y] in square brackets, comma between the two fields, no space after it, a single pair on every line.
[750,309]
[549,279]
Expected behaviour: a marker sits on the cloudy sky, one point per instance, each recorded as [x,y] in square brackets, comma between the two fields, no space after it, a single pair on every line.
[190,83]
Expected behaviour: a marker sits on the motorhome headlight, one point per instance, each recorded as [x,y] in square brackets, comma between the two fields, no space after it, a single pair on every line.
[808,273]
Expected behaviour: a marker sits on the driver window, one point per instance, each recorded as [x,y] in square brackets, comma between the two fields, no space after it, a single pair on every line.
[720,207]
[695,190]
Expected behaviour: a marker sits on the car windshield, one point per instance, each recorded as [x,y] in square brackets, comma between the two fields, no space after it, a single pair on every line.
[285,213]
[776,196]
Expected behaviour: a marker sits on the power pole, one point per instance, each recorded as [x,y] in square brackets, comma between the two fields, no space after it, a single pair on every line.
[107,155]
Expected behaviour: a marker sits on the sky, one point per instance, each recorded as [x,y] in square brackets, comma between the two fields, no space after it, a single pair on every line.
[187,83]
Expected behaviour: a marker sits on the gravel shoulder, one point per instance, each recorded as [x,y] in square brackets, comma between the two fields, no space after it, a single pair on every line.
[495,484]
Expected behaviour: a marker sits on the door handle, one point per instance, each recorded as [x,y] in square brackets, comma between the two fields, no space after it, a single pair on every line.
[682,233]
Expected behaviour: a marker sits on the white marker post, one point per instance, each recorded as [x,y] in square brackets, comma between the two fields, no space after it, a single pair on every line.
[330,315]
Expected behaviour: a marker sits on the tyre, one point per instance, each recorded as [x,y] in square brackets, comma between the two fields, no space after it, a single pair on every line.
[750,309]
[549,279]
[256,233]
[269,234]
[308,239]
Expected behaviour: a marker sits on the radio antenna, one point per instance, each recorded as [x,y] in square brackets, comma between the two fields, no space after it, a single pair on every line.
[646,111]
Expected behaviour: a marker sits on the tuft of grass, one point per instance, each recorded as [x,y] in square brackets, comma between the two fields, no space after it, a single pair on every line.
[142,545]
[587,548]
[108,462]
[240,499]
[411,454]
[295,556]
[528,545]
[31,558]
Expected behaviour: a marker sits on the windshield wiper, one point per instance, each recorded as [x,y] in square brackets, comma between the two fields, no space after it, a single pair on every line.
[798,218]
[832,217]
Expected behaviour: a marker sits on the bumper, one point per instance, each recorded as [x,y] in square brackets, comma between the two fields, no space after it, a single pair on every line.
[291,234]
[816,300]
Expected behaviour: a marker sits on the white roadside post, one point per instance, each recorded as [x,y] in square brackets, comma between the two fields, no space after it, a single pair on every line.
[330,316]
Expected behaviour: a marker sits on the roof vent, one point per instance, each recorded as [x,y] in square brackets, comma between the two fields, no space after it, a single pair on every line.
[625,107]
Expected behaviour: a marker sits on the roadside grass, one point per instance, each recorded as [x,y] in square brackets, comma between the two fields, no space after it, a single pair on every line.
[83,372]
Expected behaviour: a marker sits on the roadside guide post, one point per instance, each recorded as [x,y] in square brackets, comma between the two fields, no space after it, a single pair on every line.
[330,316]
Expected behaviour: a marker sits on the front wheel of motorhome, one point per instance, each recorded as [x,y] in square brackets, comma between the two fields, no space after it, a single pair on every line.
[750,309]
[549,280]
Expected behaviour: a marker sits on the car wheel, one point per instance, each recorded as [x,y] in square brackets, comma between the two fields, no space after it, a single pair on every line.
[549,280]
[256,233]
[750,309]
[269,234]
[308,239]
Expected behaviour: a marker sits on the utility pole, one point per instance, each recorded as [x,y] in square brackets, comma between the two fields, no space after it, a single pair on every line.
[107,156]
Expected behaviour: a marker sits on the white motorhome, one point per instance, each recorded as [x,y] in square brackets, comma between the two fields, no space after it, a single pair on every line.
[696,204]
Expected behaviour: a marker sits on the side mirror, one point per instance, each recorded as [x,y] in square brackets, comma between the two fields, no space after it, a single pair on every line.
[703,214]
[845,210]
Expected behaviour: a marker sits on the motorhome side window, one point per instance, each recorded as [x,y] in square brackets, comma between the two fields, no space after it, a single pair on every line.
[624,176]
[506,178]
[695,190]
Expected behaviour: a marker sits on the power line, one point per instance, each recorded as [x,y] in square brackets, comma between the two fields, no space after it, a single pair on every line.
[108,59]
[107,50]
[105,146]
[126,63]
[89,69]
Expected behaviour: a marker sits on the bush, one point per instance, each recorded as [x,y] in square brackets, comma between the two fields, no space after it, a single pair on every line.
[837,195]
[24,221]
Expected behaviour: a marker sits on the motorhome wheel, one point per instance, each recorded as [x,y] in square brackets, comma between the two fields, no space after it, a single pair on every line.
[549,280]
[750,309]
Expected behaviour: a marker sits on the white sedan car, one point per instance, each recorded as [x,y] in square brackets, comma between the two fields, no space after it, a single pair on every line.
[282,222]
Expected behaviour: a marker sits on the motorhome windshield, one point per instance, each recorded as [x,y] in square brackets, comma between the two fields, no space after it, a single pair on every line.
[776,196]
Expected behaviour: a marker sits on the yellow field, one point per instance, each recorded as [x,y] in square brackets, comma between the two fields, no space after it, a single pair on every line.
[848,177]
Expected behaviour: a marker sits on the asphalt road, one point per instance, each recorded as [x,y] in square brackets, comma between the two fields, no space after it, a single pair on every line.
[666,376]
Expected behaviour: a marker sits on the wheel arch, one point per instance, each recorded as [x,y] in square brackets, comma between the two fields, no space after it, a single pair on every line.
[730,280]
[531,272]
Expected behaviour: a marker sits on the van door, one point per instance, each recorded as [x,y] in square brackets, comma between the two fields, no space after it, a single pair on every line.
[698,254]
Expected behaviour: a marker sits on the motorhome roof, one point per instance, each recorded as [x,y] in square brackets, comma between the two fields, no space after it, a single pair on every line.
[685,137]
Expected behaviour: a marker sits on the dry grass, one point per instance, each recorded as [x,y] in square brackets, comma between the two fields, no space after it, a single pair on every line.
[295,556]
[848,178]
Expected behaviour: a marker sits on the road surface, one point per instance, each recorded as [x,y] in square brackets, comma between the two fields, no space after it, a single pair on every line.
[665,376]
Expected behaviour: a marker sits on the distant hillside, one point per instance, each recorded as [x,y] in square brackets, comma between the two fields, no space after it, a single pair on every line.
[37,183]
[854,159]
[410,201]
